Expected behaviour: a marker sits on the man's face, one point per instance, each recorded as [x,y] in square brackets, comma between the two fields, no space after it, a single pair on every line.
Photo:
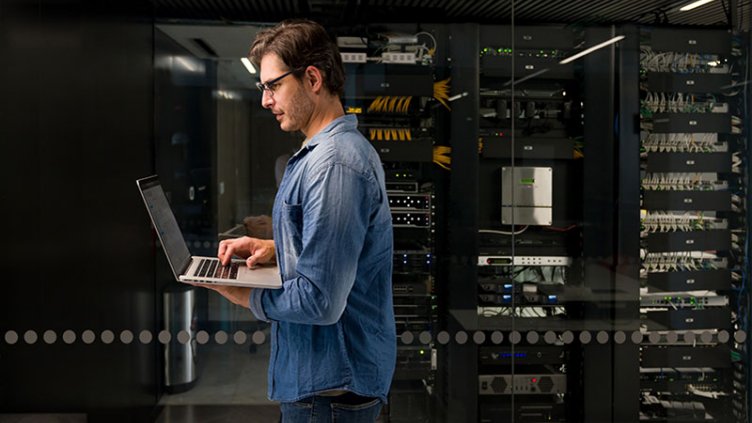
[287,98]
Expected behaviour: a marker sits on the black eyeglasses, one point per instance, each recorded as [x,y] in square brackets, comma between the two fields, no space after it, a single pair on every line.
[270,86]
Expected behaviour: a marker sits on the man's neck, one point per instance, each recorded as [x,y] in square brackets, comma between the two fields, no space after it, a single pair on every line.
[322,116]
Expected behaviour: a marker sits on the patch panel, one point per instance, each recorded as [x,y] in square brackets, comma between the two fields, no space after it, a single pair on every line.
[681,301]
[524,261]
[410,201]
[411,219]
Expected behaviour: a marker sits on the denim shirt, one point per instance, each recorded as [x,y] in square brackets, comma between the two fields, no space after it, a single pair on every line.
[333,320]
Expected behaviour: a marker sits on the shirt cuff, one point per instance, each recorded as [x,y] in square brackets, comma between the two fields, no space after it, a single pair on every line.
[255,304]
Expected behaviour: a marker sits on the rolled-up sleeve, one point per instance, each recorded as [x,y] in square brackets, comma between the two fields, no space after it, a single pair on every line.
[336,209]
[255,304]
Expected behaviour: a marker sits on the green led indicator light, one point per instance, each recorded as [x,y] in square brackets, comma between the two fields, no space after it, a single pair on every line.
[527,181]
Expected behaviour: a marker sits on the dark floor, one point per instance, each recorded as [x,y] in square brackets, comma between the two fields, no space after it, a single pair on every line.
[42,418]
[219,414]
[228,374]
[230,388]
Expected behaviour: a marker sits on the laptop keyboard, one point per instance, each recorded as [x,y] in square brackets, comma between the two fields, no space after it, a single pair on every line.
[209,268]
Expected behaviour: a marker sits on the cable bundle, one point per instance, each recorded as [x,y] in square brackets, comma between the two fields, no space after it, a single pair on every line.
[441,92]
[677,103]
[390,104]
[736,162]
[676,262]
[441,156]
[680,182]
[390,134]
[677,222]
[683,143]
[679,62]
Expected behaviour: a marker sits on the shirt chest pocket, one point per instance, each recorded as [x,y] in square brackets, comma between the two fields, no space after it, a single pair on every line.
[291,225]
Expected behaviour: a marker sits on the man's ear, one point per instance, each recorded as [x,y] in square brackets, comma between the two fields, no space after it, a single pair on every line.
[314,78]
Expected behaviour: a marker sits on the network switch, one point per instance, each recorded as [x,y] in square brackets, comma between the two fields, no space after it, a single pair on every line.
[522,384]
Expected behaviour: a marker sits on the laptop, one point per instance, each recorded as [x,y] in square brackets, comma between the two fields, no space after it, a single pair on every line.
[197,269]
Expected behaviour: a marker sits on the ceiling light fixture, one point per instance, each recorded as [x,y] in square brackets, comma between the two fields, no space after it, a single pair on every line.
[248,65]
[694,4]
[186,63]
[591,49]
[525,78]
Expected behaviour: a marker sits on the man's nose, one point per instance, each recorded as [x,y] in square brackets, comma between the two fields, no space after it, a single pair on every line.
[266,99]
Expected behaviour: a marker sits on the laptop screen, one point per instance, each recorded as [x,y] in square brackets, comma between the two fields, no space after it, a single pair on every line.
[165,224]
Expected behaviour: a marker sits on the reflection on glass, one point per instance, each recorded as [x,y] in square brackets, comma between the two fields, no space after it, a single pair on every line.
[558,276]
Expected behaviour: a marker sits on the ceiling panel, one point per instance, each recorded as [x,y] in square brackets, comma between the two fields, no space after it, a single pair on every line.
[346,12]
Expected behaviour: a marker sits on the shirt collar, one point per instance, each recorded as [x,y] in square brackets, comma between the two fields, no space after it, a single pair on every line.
[342,123]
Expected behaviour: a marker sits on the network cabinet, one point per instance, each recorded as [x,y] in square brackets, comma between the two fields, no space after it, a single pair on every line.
[395,88]
[692,258]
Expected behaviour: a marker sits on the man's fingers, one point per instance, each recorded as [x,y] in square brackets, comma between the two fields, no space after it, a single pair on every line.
[256,258]
[222,252]
[229,251]
[260,255]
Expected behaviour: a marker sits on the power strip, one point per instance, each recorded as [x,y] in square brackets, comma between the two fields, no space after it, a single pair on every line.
[350,57]
[396,57]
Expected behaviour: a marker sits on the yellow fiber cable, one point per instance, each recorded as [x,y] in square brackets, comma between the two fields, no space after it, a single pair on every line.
[378,104]
[374,104]
[392,101]
[441,157]
[442,165]
[398,105]
[441,92]
[407,104]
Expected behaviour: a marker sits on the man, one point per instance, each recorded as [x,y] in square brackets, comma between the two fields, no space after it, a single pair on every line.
[333,331]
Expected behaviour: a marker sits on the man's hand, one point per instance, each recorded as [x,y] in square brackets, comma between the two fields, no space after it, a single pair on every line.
[254,250]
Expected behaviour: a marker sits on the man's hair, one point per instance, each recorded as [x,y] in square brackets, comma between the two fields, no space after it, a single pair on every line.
[302,43]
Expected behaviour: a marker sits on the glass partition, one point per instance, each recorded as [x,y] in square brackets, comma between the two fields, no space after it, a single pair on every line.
[540,227]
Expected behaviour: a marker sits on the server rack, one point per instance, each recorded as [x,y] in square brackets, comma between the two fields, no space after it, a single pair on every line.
[394,86]
[584,251]
[530,150]
[693,229]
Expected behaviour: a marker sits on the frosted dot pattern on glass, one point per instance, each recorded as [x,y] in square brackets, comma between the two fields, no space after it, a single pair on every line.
[426,338]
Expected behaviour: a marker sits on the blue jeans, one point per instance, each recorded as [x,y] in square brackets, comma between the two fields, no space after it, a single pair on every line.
[348,408]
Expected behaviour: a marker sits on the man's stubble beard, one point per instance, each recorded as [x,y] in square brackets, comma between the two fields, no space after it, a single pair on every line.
[301,108]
